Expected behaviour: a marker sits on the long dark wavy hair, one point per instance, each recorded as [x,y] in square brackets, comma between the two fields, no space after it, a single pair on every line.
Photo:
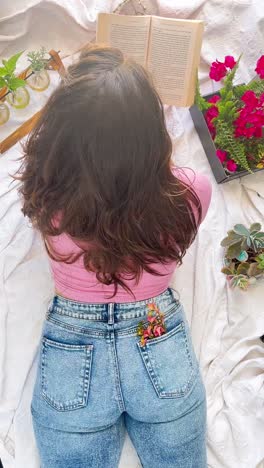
[100,158]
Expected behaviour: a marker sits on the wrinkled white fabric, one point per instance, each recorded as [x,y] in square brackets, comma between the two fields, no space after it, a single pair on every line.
[226,325]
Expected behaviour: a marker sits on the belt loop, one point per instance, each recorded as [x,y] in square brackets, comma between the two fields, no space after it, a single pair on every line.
[111,313]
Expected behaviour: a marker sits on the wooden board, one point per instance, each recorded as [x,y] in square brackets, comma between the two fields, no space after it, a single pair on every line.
[54,63]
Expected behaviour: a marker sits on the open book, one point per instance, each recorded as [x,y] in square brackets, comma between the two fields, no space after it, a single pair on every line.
[168,48]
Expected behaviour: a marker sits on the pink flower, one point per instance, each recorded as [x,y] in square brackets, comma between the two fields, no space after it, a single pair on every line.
[151,318]
[217,71]
[211,113]
[149,330]
[231,166]
[158,330]
[145,334]
[250,121]
[214,99]
[260,67]
[212,130]
[250,99]
[261,99]
[229,61]
[221,155]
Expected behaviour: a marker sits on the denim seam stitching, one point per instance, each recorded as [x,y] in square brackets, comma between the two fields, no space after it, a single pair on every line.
[121,403]
[79,305]
[76,329]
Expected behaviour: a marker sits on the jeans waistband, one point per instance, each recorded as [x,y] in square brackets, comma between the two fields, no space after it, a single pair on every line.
[109,312]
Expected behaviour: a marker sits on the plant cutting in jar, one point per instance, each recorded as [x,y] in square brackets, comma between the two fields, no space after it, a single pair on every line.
[4,113]
[244,256]
[235,117]
[17,95]
[38,78]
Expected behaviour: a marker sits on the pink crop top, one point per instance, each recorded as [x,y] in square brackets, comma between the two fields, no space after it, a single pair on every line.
[76,283]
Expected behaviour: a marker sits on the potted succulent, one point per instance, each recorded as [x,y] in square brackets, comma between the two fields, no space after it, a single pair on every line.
[230,122]
[16,95]
[38,78]
[244,256]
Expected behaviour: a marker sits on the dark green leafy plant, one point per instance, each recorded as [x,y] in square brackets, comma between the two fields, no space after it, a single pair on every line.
[7,74]
[244,256]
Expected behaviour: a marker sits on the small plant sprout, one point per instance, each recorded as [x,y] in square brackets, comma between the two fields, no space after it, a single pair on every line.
[39,79]
[17,95]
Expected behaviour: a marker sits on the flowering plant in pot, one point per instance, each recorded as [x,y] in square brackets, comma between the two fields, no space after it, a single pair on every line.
[16,95]
[244,256]
[235,117]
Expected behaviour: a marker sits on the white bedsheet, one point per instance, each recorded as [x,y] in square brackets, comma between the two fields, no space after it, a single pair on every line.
[225,324]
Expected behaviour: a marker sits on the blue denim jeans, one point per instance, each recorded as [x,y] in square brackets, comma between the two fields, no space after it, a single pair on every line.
[94,380]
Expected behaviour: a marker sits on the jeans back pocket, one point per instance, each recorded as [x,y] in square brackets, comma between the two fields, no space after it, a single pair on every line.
[65,374]
[170,362]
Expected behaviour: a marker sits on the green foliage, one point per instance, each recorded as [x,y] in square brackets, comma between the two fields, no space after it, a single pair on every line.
[260,151]
[241,239]
[228,81]
[7,74]
[240,281]
[199,100]
[9,65]
[240,90]
[37,59]
[257,86]
[226,141]
[260,261]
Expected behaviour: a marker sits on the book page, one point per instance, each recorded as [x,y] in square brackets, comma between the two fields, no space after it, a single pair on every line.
[128,33]
[173,56]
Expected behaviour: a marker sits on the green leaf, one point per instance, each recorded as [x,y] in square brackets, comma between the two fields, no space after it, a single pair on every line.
[230,239]
[243,268]
[4,62]
[255,227]
[234,250]
[10,64]
[15,83]
[2,71]
[227,271]
[199,100]
[259,235]
[242,230]
[253,269]
[243,256]
[260,261]
[2,82]
[244,245]
[241,281]
[227,241]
